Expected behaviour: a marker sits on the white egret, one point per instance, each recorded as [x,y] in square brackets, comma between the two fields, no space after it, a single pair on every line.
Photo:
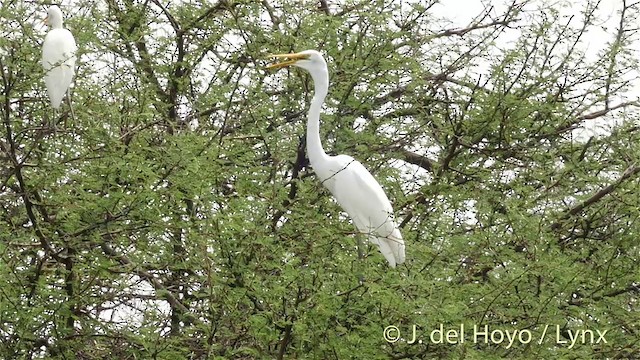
[355,189]
[58,57]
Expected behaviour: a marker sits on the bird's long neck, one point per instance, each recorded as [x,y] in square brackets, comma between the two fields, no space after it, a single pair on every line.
[314,145]
[55,24]
[55,20]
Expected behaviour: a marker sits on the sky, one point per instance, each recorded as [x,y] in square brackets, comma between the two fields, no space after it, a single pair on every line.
[461,12]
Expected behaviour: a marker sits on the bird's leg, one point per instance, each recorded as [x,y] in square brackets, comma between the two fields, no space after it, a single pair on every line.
[52,123]
[73,117]
[359,246]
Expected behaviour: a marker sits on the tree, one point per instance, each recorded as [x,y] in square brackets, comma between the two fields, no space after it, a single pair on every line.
[173,214]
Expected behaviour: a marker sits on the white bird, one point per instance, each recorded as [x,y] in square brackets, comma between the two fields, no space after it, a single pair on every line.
[355,189]
[58,57]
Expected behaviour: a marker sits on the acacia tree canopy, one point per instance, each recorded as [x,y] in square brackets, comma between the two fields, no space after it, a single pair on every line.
[172,214]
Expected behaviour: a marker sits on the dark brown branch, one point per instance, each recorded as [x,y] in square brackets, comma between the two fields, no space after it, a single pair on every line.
[220,6]
[161,290]
[461,32]
[391,95]
[135,30]
[299,164]
[628,289]
[324,6]
[416,159]
[24,191]
[600,113]
[286,339]
[272,14]
[172,20]
[437,78]
[615,49]
[629,172]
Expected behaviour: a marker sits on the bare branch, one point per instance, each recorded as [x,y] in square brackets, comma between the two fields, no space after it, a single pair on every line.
[161,290]
[272,14]
[629,172]
[615,49]
[416,159]
[606,110]
[462,32]
[324,6]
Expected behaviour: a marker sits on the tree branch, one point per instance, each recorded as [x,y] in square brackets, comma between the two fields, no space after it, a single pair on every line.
[462,32]
[161,290]
[629,172]
[416,159]
[606,110]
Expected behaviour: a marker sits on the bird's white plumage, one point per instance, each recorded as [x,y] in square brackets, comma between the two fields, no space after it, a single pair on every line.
[58,57]
[353,186]
[362,197]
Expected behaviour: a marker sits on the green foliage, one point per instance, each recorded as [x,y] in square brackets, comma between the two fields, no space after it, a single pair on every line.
[173,214]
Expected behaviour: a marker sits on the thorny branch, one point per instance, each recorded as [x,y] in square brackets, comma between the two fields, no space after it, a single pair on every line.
[628,173]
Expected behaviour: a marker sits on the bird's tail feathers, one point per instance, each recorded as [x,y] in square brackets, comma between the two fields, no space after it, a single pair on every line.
[385,248]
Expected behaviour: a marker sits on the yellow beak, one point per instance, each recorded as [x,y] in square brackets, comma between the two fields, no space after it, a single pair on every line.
[46,21]
[291,59]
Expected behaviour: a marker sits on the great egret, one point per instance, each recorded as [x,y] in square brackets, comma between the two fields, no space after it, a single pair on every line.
[348,180]
[58,57]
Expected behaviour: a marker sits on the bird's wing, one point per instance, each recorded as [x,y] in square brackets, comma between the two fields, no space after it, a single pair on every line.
[70,52]
[59,48]
[58,60]
[362,197]
[352,180]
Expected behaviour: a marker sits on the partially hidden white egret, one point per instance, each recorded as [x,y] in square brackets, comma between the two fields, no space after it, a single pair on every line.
[352,185]
[58,57]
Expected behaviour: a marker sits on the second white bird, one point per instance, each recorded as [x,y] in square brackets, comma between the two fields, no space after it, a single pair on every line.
[58,57]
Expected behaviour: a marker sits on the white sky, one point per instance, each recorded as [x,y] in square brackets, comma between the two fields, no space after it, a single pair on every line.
[461,13]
